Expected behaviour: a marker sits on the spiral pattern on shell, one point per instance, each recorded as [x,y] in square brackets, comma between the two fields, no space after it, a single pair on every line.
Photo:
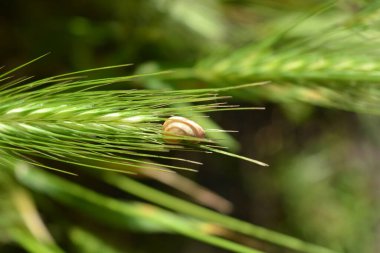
[181,126]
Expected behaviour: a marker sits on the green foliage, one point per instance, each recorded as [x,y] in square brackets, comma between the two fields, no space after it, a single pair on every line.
[321,59]
[189,57]
[346,198]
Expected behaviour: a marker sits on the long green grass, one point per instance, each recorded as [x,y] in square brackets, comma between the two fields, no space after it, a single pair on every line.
[72,146]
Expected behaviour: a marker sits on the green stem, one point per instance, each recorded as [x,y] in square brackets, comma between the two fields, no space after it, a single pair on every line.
[133,187]
[71,194]
[32,245]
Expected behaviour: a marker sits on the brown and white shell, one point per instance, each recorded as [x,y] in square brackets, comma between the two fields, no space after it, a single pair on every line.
[181,126]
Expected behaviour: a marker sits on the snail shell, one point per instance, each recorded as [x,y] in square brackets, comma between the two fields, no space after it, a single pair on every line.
[181,126]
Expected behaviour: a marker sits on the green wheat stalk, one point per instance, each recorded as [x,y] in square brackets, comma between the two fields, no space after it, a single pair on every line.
[338,66]
[74,120]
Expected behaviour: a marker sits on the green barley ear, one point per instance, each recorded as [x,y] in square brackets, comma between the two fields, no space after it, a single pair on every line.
[336,64]
[77,121]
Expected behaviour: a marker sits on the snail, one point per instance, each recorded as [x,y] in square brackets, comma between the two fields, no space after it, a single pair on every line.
[181,126]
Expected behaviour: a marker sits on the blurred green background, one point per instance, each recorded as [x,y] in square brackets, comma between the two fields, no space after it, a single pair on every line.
[323,180]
